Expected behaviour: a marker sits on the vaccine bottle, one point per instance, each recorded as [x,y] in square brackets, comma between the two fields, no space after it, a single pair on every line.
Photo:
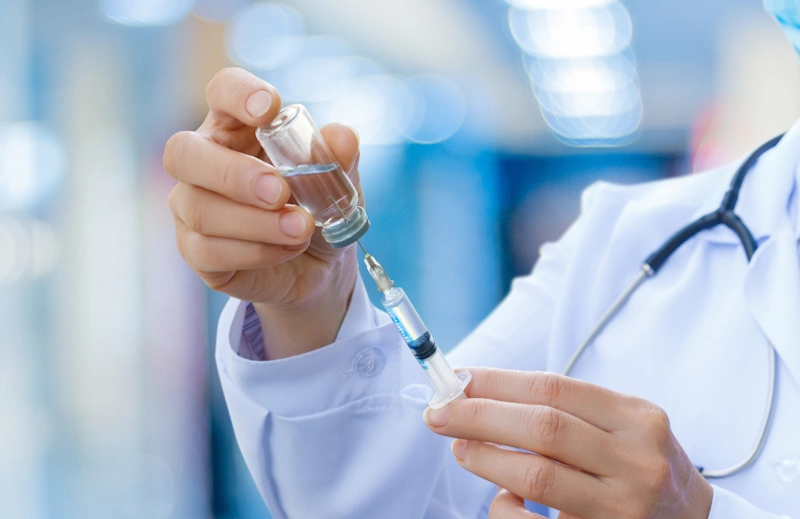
[296,148]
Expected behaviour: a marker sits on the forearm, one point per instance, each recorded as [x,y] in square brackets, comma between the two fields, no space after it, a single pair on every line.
[290,332]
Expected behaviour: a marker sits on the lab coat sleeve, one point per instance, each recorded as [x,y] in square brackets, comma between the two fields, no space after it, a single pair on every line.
[727,505]
[338,433]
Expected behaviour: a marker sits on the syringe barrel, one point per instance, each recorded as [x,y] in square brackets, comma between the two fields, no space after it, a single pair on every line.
[447,385]
[409,323]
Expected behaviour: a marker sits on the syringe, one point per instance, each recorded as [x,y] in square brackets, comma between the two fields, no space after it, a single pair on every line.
[447,384]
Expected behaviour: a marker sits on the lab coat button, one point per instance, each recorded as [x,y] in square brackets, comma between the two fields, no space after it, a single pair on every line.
[788,469]
[369,362]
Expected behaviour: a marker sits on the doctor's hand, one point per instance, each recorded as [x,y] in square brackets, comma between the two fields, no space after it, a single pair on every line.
[238,228]
[599,454]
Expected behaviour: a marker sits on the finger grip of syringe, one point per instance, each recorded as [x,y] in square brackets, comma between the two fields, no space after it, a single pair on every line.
[447,384]
[442,376]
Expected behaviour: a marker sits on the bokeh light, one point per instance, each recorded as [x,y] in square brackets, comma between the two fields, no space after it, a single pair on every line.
[572,33]
[367,103]
[12,246]
[146,12]
[434,109]
[557,4]
[265,35]
[582,71]
[32,161]
[582,75]
[29,249]
[319,79]
[594,130]
[589,104]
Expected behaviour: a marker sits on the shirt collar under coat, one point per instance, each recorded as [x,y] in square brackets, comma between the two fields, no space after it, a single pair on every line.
[768,206]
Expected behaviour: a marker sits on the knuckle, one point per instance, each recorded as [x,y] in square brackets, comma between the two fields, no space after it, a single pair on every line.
[656,475]
[174,150]
[476,412]
[173,200]
[263,255]
[177,199]
[656,423]
[548,423]
[220,79]
[537,480]
[193,215]
[492,380]
[658,417]
[548,386]
[216,283]
[203,249]
[227,177]
[182,240]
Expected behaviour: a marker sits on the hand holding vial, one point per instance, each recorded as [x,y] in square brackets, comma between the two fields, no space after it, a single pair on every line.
[241,230]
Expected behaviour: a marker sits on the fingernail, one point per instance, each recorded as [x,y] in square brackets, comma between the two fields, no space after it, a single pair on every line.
[269,188]
[292,224]
[258,103]
[459,448]
[437,417]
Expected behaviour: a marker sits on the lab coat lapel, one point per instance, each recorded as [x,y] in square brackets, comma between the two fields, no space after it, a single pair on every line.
[772,285]
[772,292]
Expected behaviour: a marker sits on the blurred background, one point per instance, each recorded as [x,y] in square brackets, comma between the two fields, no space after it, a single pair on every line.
[481,122]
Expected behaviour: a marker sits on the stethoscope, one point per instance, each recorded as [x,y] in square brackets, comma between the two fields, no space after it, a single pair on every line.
[723,215]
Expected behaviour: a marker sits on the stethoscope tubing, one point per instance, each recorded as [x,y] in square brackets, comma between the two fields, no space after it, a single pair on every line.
[724,215]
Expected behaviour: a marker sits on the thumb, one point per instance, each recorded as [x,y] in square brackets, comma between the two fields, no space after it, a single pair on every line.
[236,97]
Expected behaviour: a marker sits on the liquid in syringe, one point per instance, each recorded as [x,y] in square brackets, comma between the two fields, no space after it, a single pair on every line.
[447,384]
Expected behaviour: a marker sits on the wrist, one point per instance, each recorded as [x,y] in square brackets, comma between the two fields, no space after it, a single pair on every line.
[699,496]
[293,331]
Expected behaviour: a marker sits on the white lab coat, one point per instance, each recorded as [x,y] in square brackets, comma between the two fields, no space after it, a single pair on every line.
[338,433]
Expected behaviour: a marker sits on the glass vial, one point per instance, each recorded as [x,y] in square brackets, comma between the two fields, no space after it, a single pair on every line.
[296,148]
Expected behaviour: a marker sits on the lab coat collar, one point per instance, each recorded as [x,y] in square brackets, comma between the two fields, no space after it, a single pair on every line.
[768,206]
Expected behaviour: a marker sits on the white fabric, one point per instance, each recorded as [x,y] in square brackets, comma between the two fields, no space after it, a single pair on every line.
[327,435]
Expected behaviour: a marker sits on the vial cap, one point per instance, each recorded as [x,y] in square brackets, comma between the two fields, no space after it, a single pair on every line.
[344,232]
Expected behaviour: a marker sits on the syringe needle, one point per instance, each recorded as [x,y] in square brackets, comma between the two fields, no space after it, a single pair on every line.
[336,204]
[362,248]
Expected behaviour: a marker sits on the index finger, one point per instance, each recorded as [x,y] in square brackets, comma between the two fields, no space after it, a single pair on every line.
[238,98]
[601,407]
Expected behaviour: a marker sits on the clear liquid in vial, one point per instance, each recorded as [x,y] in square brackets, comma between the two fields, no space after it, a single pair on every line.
[320,188]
